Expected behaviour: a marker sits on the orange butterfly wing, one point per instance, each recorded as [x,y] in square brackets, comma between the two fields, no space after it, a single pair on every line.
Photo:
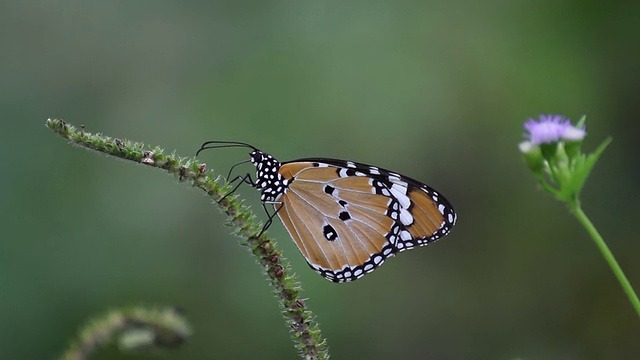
[347,218]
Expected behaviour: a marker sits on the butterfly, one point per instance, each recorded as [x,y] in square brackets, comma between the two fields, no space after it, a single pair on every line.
[346,218]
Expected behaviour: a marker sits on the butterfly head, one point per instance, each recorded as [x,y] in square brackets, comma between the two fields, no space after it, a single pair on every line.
[268,178]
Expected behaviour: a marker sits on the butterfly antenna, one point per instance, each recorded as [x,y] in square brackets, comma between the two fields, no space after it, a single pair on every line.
[215,144]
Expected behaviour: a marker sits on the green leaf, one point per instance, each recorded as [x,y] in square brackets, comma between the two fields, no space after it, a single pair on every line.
[584,165]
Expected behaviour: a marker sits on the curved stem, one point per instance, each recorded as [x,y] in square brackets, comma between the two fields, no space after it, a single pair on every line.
[608,256]
[305,331]
[165,327]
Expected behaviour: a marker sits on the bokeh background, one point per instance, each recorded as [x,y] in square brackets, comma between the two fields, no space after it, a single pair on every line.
[436,90]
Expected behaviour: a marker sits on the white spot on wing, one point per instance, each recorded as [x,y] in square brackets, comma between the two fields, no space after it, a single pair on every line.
[405,217]
[395,178]
[399,188]
[400,193]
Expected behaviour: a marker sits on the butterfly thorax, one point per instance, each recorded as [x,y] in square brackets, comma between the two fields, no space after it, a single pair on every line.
[268,178]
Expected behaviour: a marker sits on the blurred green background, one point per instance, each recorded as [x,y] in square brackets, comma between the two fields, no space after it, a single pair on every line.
[436,90]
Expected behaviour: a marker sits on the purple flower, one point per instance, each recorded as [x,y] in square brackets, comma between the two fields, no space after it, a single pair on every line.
[552,128]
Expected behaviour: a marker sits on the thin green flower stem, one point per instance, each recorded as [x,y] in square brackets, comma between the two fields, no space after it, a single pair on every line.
[167,327]
[305,331]
[608,256]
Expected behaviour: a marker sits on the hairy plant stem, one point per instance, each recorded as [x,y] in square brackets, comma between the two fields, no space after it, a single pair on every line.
[162,328]
[305,332]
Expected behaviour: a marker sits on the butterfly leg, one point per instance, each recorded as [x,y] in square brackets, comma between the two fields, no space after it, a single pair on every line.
[234,166]
[246,179]
[271,216]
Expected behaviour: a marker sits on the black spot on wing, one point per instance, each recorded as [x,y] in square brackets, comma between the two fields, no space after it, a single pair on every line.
[329,232]
[344,216]
[329,189]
